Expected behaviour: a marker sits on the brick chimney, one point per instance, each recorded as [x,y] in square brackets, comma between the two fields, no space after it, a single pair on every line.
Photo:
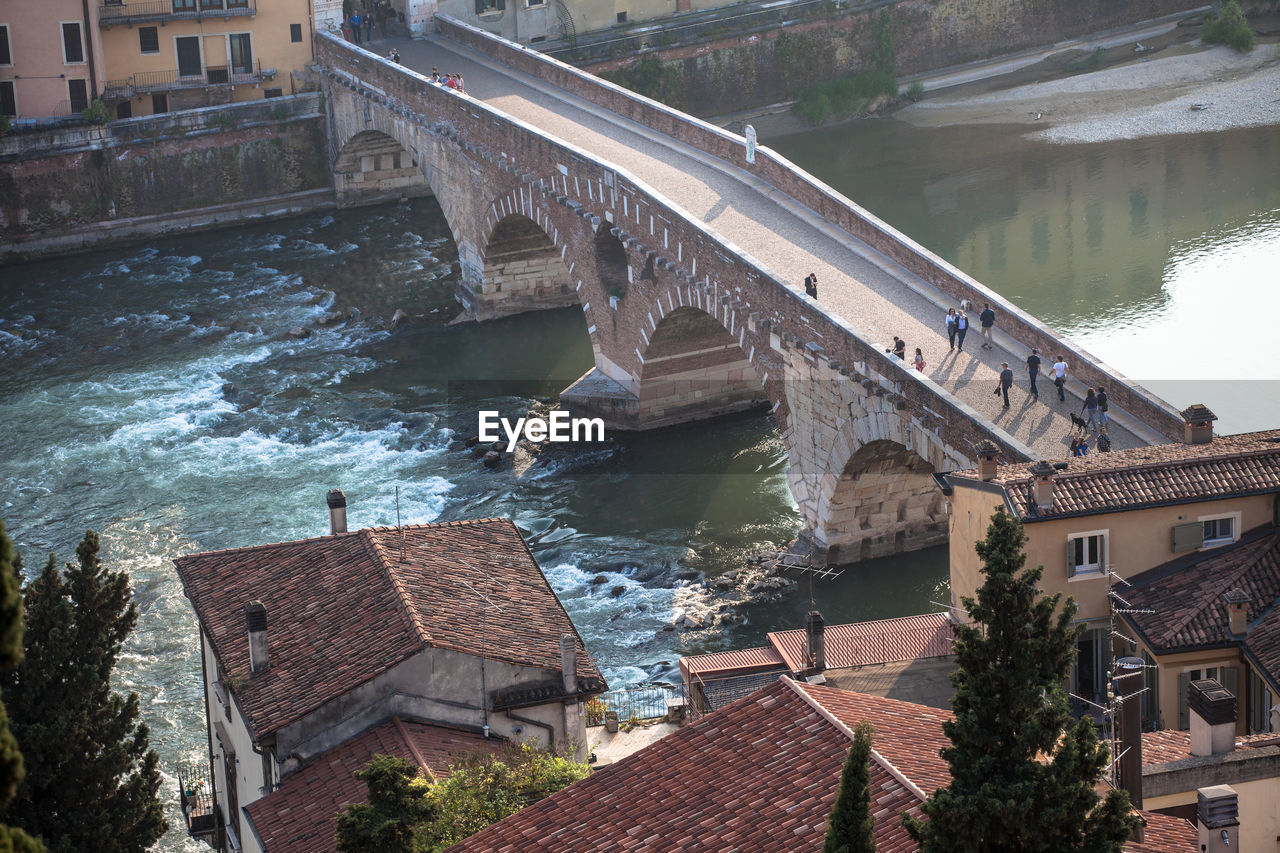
[569,663]
[337,502]
[1042,485]
[815,634]
[1238,602]
[1129,680]
[255,621]
[988,459]
[1199,424]
[1213,718]
[1218,819]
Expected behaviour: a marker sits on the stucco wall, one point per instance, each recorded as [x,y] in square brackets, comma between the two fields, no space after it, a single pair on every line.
[1259,802]
[61,182]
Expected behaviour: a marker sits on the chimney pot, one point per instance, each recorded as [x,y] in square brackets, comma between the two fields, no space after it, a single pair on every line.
[1238,601]
[1199,424]
[255,620]
[569,663]
[1218,818]
[988,459]
[1213,718]
[337,503]
[815,633]
[1042,485]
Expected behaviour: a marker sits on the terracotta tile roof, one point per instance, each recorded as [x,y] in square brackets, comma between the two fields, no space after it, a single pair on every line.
[759,776]
[735,661]
[298,817]
[1229,466]
[1165,834]
[856,644]
[344,609]
[1185,597]
[1171,745]
[928,635]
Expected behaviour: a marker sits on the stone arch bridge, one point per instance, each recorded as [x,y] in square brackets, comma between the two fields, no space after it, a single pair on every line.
[683,323]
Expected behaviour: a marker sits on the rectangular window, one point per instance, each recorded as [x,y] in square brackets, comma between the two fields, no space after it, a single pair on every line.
[8,103]
[1218,531]
[484,6]
[188,48]
[79,93]
[160,103]
[211,5]
[622,17]
[273,93]
[241,54]
[1261,700]
[1087,554]
[184,6]
[124,109]
[6,58]
[149,39]
[295,32]
[535,2]
[72,45]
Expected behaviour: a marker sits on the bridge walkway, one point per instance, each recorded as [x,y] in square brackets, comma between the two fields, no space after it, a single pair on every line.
[870,292]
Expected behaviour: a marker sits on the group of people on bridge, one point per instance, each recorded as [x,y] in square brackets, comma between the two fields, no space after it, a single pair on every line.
[358,27]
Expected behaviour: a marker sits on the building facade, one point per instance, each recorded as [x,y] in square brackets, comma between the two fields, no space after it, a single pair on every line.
[308,645]
[51,61]
[164,55]
[1096,523]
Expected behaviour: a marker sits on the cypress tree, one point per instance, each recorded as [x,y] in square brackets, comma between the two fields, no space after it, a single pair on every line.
[92,780]
[850,828]
[12,840]
[1022,775]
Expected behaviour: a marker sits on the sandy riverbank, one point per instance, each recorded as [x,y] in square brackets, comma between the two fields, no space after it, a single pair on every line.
[1186,89]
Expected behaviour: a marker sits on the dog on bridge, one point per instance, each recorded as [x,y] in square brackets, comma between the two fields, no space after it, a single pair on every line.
[1078,424]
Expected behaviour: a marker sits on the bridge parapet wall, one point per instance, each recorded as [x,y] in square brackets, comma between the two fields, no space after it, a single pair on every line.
[832,206]
[693,266]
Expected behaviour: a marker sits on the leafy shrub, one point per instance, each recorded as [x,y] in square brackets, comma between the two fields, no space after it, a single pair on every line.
[96,113]
[1229,28]
[845,97]
[915,92]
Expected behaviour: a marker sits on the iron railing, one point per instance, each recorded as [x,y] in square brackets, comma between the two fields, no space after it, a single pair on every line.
[637,704]
[135,11]
[197,800]
[145,82]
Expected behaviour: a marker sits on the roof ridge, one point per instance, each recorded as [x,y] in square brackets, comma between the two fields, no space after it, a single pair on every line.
[1226,582]
[402,595]
[413,748]
[812,702]
[1150,464]
[866,622]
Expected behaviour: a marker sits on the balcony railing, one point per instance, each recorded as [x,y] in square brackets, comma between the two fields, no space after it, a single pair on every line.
[146,82]
[136,11]
[199,805]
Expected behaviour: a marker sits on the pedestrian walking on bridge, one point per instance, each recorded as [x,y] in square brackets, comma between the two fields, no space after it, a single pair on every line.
[1006,382]
[988,320]
[1060,372]
[962,329]
[811,284]
[1033,371]
[951,327]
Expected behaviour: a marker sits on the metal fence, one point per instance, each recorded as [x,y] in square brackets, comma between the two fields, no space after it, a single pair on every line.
[637,704]
[167,81]
[160,10]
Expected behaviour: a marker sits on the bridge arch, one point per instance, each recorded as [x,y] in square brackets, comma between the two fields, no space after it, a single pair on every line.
[372,165]
[523,270]
[693,368]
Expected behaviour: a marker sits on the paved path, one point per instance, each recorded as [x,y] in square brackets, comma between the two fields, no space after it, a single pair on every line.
[871,293]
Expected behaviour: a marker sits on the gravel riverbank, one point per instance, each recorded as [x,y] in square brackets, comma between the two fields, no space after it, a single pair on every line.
[1186,90]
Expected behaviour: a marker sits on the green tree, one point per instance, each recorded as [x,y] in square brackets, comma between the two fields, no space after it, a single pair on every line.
[851,829]
[92,780]
[1022,775]
[1228,27]
[12,840]
[398,811]
[407,814]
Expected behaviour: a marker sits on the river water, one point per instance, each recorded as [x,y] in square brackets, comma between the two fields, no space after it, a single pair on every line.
[157,395]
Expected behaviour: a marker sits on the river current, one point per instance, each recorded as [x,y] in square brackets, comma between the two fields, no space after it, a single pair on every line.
[163,396]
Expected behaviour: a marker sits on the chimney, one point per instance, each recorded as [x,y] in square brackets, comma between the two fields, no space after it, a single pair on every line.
[1213,718]
[337,502]
[569,663]
[255,620]
[1218,819]
[1238,602]
[1042,485]
[988,459]
[1129,681]
[815,633]
[1199,424]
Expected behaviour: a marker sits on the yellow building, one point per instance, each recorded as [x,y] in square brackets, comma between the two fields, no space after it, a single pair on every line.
[1096,522]
[163,55]
[50,58]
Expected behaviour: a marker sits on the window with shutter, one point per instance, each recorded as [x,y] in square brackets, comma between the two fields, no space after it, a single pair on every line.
[1184,711]
[1086,554]
[1188,537]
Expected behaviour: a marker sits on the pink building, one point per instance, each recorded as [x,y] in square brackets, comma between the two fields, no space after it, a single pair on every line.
[50,58]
